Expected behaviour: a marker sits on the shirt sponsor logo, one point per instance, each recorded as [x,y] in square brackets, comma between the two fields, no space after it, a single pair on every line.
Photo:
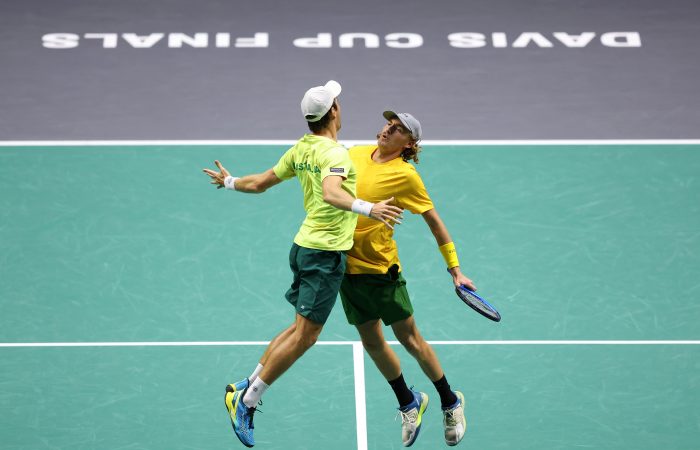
[337,170]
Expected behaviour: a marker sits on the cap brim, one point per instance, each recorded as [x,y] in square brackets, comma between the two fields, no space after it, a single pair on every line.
[388,115]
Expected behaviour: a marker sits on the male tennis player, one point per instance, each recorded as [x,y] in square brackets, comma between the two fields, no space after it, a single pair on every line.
[374,289]
[317,257]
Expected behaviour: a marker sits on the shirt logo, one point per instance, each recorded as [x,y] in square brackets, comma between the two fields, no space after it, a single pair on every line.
[337,170]
[305,167]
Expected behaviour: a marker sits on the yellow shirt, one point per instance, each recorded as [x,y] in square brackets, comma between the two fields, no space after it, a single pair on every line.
[374,249]
[312,159]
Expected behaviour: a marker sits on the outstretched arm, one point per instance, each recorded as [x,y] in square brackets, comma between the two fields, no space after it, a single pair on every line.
[334,194]
[442,236]
[251,184]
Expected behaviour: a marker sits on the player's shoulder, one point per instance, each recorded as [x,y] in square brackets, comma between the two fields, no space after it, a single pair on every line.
[336,151]
[362,149]
[406,166]
[411,174]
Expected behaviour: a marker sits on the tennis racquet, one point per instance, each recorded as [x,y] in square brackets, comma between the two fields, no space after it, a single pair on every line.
[477,303]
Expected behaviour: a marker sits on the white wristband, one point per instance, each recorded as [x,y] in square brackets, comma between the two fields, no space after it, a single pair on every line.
[362,207]
[230,182]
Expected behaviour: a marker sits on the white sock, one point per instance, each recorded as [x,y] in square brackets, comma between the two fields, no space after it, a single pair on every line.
[255,373]
[254,392]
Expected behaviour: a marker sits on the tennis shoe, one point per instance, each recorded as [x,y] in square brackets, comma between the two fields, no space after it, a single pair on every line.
[241,416]
[454,421]
[411,418]
[239,386]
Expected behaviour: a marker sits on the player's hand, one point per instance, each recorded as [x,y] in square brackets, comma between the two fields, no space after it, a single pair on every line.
[460,280]
[386,213]
[217,178]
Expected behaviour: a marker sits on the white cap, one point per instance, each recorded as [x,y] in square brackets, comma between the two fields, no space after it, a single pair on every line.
[410,122]
[318,100]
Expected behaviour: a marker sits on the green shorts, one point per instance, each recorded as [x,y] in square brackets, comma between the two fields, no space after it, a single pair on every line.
[317,277]
[368,297]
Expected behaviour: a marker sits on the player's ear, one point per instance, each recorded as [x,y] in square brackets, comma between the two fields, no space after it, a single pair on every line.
[334,107]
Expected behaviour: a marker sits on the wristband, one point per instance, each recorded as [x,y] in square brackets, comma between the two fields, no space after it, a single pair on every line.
[230,182]
[362,207]
[449,253]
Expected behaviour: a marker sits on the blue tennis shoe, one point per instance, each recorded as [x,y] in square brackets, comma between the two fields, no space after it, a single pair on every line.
[241,416]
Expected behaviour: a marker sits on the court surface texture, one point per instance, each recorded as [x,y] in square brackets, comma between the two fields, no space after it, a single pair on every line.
[133,292]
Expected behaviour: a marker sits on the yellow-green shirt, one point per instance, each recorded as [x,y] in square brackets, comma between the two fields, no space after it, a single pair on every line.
[312,159]
[374,249]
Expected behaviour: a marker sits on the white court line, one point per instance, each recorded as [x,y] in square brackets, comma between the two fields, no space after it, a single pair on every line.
[346,142]
[358,356]
[353,343]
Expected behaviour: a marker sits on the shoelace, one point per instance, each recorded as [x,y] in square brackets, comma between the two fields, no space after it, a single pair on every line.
[250,416]
[450,418]
[409,416]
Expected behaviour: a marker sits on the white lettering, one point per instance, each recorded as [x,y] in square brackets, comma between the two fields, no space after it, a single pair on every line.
[403,40]
[524,40]
[109,40]
[199,40]
[575,40]
[223,40]
[60,40]
[466,40]
[347,40]
[259,40]
[323,40]
[621,39]
[137,41]
[499,40]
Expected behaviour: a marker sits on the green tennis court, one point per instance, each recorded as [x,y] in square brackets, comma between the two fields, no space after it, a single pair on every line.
[133,291]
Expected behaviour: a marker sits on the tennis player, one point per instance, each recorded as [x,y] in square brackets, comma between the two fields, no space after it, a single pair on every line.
[317,257]
[374,288]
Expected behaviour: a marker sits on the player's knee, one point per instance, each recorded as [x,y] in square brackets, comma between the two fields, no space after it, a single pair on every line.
[411,342]
[373,345]
[310,341]
[306,338]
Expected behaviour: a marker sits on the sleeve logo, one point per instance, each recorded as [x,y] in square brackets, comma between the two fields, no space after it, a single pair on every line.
[337,170]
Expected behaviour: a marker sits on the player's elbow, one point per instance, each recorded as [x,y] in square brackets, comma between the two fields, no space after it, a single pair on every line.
[329,196]
[258,188]
[333,200]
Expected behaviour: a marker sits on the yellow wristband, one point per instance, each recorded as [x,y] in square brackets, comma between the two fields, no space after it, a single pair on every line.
[450,254]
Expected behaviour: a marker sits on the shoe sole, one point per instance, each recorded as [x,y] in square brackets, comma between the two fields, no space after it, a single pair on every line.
[232,414]
[421,410]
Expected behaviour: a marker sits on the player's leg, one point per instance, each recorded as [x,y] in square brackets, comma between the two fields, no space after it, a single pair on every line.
[241,404]
[385,359]
[452,402]
[317,277]
[376,346]
[408,335]
[276,341]
[363,298]
[303,336]
[244,383]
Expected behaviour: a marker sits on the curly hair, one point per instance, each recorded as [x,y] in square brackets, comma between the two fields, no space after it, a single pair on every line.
[411,153]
